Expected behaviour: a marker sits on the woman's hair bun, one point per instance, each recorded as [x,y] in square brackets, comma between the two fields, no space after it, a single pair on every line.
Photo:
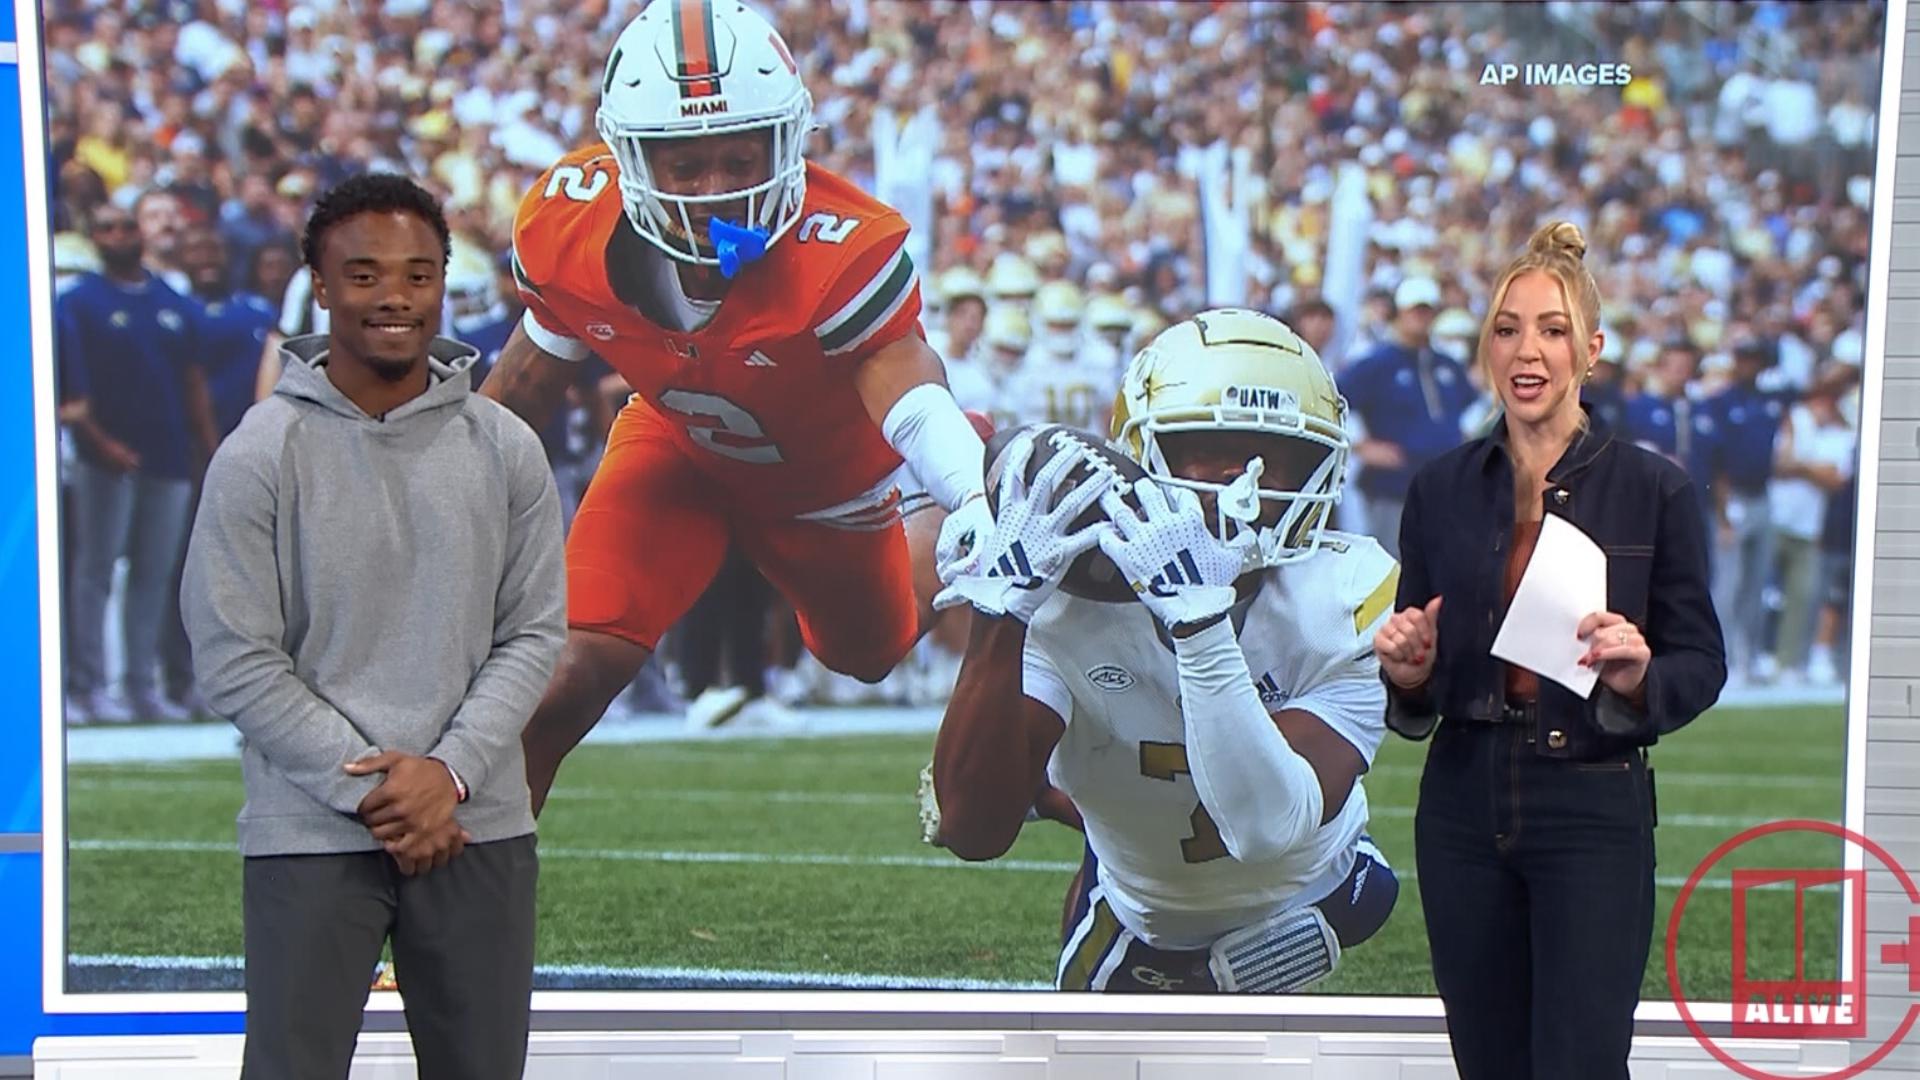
[1562,236]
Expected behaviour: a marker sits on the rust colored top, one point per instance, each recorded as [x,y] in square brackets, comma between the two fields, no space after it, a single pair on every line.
[1522,685]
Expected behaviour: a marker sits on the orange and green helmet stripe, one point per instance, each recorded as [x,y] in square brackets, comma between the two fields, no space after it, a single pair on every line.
[694,51]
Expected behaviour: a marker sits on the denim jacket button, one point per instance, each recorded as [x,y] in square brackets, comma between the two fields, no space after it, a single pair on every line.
[1556,740]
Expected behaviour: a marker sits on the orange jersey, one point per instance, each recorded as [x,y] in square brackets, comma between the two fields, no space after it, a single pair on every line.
[763,394]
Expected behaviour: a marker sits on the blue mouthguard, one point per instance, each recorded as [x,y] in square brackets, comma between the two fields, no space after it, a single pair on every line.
[736,245]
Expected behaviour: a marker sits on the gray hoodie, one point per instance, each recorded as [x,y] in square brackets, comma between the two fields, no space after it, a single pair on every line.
[357,584]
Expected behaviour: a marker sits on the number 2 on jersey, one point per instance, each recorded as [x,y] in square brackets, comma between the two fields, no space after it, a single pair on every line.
[572,181]
[1164,761]
[746,439]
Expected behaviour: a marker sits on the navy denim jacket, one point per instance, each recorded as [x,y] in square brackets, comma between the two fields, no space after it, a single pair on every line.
[1455,536]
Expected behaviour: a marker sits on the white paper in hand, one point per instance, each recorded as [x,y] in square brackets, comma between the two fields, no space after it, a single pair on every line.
[1565,581]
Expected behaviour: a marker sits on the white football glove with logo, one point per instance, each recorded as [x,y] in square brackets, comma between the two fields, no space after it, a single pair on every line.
[964,536]
[1028,550]
[1178,567]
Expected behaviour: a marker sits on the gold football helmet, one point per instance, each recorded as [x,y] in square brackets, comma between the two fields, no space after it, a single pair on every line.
[1058,307]
[1232,369]
[961,283]
[1008,328]
[1011,280]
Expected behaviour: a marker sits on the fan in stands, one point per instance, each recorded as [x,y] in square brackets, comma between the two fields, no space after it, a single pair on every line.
[1092,576]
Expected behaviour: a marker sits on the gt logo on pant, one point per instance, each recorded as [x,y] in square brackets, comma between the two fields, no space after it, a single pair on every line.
[1155,978]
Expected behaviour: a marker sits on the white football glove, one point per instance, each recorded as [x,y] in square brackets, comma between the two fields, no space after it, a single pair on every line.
[964,537]
[1178,567]
[1028,550]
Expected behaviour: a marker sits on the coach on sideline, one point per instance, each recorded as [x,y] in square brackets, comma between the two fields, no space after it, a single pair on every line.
[1534,832]
[375,592]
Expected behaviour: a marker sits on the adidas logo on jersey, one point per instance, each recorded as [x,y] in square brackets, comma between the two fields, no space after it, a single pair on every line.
[760,359]
[1270,692]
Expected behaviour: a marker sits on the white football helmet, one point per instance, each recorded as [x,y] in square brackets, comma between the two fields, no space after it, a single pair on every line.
[1009,330]
[472,286]
[1011,280]
[1058,307]
[686,68]
[961,283]
[1110,317]
[1232,369]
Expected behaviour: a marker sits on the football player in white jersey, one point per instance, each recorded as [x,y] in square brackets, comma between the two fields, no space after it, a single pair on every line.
[1109,329]
[1212,735]
[1061,381]
[960,341]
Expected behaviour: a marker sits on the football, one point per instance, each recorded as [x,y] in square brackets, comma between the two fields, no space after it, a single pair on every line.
[1092,576]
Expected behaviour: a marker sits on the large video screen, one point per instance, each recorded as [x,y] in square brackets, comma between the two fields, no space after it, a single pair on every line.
[1077,176]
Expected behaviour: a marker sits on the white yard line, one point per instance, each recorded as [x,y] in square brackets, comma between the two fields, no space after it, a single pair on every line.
[666,975]
[747,858]
[563,794]
[185,742]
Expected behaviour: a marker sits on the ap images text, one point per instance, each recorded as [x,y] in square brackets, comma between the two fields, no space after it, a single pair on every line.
[1532,74]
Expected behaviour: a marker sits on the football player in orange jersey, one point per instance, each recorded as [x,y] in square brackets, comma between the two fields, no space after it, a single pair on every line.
[766,314]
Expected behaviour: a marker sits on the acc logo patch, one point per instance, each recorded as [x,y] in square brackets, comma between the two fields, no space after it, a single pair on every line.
[1111,677]
[600,330]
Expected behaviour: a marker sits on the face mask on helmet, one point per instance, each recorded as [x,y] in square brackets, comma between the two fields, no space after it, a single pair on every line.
[1058,308]
[705,111]
[1232,406]
[1060,340]
[1277,489]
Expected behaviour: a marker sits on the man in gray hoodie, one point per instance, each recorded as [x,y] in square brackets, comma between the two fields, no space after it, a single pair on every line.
[375,596]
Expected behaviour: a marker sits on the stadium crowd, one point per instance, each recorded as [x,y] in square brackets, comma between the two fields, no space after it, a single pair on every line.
[1078,174]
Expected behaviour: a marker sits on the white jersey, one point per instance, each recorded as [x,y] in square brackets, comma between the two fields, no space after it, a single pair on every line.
[1074,390]
[1107,670]
[971,384]
[987,382]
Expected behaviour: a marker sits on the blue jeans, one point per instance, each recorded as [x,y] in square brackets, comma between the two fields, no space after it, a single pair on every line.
[145,519]
[1536,878]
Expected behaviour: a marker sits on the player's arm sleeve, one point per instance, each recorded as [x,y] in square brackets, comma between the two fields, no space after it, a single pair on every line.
[929,432]
[874,299]
[230,603]
[1263,795]
[529,619]
[870,315]
[543,327]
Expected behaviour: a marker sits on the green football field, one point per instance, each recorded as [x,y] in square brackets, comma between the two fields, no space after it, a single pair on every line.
[797,862]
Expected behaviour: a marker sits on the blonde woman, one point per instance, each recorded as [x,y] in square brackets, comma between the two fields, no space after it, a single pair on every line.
[1534,833]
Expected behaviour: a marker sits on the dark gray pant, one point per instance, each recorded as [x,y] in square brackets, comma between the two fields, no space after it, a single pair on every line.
[462,950]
